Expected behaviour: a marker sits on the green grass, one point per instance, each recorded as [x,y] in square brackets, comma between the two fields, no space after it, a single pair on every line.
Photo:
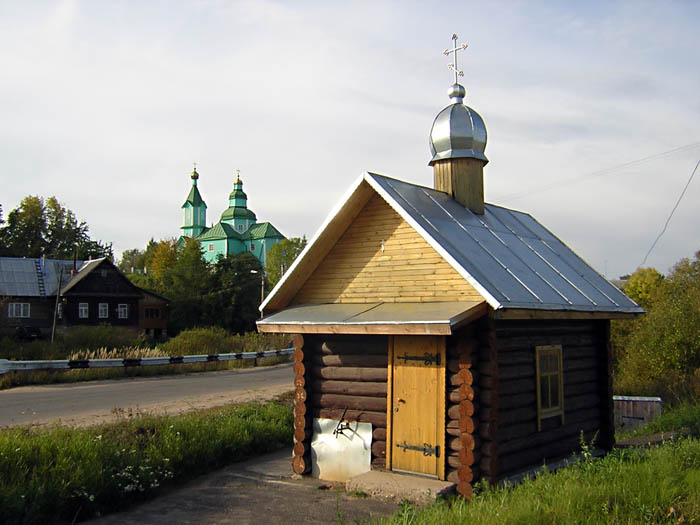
[656,485]
[659,484]
[59,474]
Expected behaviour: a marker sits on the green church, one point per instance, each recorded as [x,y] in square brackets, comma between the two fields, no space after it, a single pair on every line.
[236,232]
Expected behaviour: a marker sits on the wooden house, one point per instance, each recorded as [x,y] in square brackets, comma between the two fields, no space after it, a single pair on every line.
[470,340]
[90,293]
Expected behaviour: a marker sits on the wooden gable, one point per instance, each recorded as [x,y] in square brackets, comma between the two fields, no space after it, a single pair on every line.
[381,258]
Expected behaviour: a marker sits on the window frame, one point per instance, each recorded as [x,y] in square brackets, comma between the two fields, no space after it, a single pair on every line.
[100,312]
[122,311]
[17,310]
[550,411]
[84,308]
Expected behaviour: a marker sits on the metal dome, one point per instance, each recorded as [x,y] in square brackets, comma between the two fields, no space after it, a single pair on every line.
[458,131]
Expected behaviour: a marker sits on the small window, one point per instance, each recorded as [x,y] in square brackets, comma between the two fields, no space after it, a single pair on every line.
[550,383]
[59,312]
[211,247]
[83,310]
[103,273]
[252,247]
[18,310]
[103,311]
[123,310]
[240,227]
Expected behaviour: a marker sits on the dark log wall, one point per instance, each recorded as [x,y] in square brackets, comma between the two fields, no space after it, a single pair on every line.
[586,391]
[335,372]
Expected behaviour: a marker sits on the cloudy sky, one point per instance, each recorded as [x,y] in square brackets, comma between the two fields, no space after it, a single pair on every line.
[107,104]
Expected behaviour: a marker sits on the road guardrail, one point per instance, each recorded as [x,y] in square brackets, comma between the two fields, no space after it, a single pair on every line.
[76,364]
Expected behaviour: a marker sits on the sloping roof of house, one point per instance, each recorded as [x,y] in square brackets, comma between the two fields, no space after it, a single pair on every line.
[83,271]
[33,277]
[511,259]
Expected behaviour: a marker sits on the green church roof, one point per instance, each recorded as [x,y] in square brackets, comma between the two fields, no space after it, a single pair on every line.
[263,230]
[237,194]
[237,212]
[220,230]
[194,198]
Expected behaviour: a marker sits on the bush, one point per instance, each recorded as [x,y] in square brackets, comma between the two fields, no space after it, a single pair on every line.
[215,340]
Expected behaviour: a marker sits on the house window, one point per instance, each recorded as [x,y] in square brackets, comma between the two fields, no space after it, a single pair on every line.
[18,310]
[550,383]
[103,312]
[240,227]
[59,311]
[123,310]
[211,247]
[83,310]
[252,247]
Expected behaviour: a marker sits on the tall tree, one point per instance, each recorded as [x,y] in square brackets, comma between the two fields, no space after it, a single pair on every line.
[37,228]
[164,257]
[281,256]
[24,234]
[641,285]
[235,294]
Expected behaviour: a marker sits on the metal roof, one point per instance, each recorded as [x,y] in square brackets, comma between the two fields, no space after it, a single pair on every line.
[509,257]
[388,318]
[23,277]
[513,261]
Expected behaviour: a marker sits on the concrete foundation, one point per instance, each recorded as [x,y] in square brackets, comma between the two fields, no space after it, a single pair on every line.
[399,487]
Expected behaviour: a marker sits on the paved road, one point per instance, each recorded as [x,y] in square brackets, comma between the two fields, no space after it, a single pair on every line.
[260,491]
[95,401]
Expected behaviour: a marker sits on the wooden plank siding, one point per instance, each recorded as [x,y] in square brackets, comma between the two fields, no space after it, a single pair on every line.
[381,258]
[585,358]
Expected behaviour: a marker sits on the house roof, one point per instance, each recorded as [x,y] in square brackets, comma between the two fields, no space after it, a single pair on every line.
[513,261]
[385,318]
[32,277]
[83,271]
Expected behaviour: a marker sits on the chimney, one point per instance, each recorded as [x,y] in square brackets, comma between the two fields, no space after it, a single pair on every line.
[457,143]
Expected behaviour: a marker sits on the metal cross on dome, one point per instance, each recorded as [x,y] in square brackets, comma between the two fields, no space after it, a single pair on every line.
[455,48]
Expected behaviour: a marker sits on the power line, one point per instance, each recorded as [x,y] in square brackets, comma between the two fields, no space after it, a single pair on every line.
[671,215]
[598,173]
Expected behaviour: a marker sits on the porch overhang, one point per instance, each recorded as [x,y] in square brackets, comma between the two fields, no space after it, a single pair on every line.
[439,318]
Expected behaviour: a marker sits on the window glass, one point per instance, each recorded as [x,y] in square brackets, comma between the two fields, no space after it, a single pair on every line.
[550,386]
[18,310]
[123,310]
[83,310]
[103,311]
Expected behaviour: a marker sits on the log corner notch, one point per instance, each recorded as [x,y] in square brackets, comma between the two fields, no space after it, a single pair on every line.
[460,421]
[301,462]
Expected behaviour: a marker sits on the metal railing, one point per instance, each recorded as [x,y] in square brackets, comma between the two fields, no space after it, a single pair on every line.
[76,364]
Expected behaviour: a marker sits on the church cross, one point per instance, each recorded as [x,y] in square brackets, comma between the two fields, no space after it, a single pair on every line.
[455,48]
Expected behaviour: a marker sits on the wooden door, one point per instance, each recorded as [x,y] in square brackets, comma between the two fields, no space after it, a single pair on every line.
[416,405]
